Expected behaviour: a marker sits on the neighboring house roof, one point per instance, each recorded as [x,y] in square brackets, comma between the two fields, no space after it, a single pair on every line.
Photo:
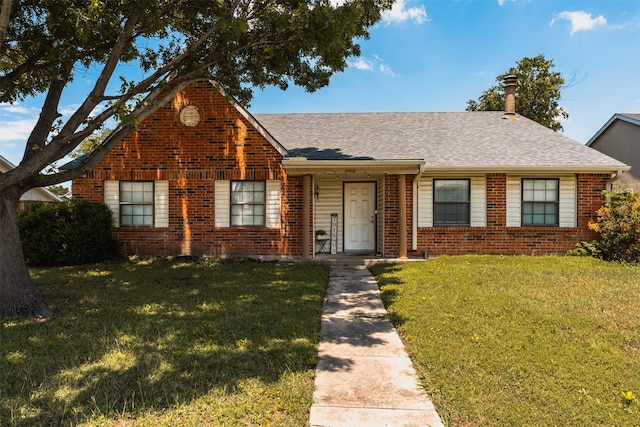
[625,117]
[33,194]
[469,140]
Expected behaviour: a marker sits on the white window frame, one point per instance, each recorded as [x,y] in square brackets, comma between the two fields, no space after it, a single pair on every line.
[466,203]
[249,203]
[530,197]
[568,210]
[222,200]
[477,200]
[160,202]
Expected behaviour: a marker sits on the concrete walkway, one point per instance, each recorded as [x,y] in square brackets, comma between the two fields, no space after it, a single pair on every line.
[364,376]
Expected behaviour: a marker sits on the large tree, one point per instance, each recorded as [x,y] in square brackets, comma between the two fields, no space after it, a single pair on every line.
[538,91]
[242,44]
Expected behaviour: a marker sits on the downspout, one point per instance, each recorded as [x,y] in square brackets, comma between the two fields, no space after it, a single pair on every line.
[414,222]
[402,216]
[306,216]
[614,177]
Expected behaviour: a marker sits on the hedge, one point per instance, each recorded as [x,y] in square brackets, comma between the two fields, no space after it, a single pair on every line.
[67,233]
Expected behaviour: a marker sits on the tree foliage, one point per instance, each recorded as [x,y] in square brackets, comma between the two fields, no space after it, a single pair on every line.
[241,44]
[538,92]
[59,190]
[618,225]
[46,45]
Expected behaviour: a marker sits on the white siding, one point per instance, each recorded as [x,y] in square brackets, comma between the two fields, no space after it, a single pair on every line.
[161,202]
[329,201]
[425,202]
[568,201]
[112,199]
[513,201]
[478,202]
[222,200]
[273,204]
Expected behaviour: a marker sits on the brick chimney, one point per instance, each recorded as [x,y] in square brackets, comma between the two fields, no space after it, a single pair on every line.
[510,97]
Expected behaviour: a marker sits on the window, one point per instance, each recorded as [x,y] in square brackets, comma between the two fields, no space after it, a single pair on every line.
[540,201]
[451,202]
[136,203]
[248,203]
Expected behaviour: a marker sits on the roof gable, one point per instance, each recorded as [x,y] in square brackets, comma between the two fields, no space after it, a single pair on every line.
[634,119]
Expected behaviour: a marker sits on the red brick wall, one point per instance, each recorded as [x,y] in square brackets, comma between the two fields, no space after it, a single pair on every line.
[496,238]
[226,146]
[392,213]
[223,146]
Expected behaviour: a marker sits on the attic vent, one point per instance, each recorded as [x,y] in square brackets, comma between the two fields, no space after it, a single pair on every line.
[510,97]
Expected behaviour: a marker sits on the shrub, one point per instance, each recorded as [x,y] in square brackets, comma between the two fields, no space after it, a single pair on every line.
[618,224]
[67,233]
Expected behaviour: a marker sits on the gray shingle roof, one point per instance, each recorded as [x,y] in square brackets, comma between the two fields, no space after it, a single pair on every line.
[443,140]
[631,116]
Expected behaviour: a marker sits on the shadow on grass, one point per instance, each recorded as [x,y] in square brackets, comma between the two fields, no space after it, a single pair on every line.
[388,279]
[137,337]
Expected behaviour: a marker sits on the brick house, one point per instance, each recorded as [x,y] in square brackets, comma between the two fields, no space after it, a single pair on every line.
[202,175]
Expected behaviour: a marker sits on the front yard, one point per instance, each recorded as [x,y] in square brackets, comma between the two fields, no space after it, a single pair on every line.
[497,341]
[166,343]
[521,341]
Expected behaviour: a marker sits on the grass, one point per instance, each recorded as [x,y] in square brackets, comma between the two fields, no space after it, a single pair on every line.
[165,343]
[521,341]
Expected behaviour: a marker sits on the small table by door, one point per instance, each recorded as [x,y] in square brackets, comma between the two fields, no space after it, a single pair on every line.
[321,244]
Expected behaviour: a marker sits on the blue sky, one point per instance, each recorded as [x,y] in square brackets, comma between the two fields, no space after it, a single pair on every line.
[435,55]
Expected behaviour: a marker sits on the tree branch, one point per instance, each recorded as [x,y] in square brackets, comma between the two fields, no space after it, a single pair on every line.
[49,113]
[5,17]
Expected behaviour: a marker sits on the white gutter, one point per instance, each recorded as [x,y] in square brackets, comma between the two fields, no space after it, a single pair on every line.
[614,177]
[414,222]
[413,166]
[527,169]
[301,165]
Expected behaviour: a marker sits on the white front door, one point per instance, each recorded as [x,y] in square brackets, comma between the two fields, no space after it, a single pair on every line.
[359,216]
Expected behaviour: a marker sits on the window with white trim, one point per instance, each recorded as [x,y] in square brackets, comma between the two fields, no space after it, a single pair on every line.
[540,202]
[248,202]
[451,202]
[136,203]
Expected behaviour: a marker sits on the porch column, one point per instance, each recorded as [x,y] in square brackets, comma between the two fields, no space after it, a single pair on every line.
[402,213]
[306,215]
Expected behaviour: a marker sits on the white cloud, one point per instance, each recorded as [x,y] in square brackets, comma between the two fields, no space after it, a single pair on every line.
[17,122]
[366,64]
[16,130]
[68,110]
[400,13]
[361,64]
[385,69]
[580,20]
[13,109]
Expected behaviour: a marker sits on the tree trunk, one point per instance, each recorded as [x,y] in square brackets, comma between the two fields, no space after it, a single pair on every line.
[19,296]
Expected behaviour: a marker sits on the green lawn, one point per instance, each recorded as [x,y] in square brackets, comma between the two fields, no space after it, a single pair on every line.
[521,341]
[166,343]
